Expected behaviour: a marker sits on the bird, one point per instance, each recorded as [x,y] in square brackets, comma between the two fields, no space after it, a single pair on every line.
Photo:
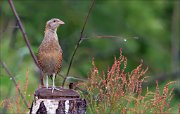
[50,52]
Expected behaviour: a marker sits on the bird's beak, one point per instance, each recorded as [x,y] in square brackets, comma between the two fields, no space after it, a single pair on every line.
[61,22]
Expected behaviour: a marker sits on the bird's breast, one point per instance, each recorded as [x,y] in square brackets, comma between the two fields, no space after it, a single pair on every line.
[50,57]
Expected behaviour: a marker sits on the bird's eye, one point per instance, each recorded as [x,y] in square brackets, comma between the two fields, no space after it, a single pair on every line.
[54,21]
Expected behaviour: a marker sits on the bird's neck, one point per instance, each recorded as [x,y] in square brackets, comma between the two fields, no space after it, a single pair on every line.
[50,34]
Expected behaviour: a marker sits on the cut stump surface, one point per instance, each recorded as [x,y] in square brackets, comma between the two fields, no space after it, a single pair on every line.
[62,101]
[44,93]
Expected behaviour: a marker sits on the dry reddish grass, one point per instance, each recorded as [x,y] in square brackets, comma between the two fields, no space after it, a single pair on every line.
[118,91]
[15,104]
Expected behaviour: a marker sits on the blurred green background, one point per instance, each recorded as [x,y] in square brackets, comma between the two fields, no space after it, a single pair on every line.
[150,27]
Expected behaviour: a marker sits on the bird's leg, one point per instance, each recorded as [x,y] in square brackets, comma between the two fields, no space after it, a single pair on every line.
[53,80]
[47,81]
[54,87]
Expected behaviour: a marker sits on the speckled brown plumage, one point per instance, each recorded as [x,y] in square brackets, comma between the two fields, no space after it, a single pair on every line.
[50,56]
[50,52]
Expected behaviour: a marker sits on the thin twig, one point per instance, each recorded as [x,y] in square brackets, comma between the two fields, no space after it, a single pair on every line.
[99,37]
[162,78]
[79,41]
[14,81]
[26,39]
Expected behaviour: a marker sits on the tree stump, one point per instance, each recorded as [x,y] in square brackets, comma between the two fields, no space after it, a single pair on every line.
[62,101]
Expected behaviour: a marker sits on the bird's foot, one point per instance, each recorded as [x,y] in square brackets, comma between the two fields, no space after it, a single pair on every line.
[54,88]
[48,88]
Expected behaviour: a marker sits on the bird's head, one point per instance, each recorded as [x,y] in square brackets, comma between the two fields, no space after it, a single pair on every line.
[53,24]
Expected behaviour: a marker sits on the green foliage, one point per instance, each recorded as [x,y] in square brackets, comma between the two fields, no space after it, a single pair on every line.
[149,21]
